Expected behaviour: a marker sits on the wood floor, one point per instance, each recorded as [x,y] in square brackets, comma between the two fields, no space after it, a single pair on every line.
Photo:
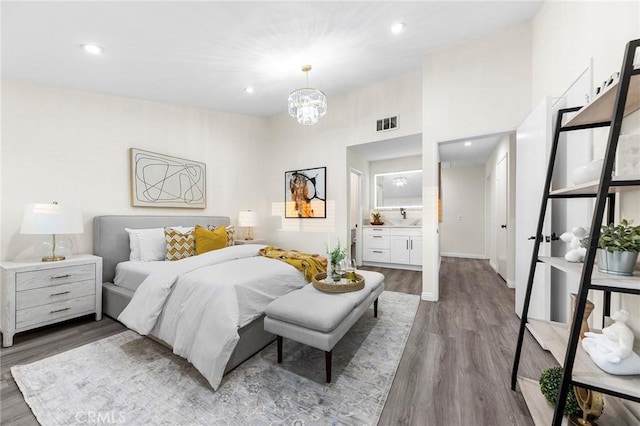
[454,371]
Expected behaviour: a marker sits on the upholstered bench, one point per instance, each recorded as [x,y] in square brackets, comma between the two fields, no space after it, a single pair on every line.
[320,319]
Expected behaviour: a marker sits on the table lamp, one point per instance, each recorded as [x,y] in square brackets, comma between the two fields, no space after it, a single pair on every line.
[51,219]
[248,219]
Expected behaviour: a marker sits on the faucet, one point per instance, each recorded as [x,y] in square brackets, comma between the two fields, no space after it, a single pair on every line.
[403,212]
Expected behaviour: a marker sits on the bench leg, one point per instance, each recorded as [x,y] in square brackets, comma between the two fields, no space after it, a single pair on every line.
[327,364]
[279,345]
[375,308]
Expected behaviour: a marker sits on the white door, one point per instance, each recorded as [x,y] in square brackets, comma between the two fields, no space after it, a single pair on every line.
[355,216]
[501,215]
[533,138]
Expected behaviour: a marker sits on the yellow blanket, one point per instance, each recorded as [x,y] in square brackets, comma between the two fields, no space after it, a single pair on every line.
[309,264]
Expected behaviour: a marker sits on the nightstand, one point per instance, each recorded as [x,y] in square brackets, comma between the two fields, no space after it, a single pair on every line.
[254,241]
[36,293]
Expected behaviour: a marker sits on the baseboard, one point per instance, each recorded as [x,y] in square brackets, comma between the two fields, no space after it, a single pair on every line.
[511,284]
[465,255]
[429,297]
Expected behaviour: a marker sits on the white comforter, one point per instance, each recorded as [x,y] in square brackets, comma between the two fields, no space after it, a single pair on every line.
[197,304]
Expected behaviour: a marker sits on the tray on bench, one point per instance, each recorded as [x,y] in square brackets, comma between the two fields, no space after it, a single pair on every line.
[344,286]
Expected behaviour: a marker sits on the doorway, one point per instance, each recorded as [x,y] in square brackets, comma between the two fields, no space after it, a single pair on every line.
[500,210]
[355,215]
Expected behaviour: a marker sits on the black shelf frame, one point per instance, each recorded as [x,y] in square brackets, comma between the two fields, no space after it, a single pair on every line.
[602,199]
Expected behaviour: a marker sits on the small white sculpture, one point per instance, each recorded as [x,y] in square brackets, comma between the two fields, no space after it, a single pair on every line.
[574,238]
[612,350]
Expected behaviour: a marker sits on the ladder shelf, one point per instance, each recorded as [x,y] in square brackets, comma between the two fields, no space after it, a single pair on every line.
[618,100]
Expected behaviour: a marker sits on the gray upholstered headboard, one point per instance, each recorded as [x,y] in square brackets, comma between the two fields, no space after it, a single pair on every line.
[111,241]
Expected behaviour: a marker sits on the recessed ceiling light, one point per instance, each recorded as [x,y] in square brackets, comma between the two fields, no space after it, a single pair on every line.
[397,28]
[468,143]
[248,89]
[93,49]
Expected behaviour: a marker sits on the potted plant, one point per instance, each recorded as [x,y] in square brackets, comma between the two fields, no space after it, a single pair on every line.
[550,386]
[618,248]
[376,218]
[337,255]
[583,406]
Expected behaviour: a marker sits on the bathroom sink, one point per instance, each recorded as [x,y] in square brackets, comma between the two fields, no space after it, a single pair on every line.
[404,222]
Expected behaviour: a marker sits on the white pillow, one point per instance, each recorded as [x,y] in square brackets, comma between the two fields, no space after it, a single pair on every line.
[148,245]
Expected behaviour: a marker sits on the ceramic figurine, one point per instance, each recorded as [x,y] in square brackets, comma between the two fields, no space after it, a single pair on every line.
[612,350]
[574,238]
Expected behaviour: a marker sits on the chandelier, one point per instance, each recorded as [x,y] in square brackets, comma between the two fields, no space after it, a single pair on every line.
[307,105]
[400,181]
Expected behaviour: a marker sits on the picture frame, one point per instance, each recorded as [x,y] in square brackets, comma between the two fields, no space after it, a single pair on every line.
[305,193]
[160,180]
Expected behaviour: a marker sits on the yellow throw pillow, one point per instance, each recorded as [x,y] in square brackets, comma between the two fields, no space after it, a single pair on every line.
[179,245]
[231,233]
[207,240]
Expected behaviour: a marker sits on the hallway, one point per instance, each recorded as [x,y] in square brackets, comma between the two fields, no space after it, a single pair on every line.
[456,368]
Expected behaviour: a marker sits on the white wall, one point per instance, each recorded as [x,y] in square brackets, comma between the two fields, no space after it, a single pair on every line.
[463,212]
[566,35]
[72,147]
[476,88]
[350,120]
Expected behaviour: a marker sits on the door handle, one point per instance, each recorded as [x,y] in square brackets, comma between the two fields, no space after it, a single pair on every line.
[503,226]
[552,237]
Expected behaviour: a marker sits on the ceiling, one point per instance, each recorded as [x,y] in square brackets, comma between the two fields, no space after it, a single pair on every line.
[204,54]
[457,154]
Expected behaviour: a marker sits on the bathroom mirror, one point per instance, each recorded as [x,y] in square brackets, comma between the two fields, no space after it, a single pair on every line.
[398,189]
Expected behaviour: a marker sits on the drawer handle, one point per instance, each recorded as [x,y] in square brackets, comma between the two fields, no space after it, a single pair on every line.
[59,310]
[377,236]
[61,293]
[57,277]
[377,251]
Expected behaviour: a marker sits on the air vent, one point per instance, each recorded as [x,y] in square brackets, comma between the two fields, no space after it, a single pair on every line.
[386,124]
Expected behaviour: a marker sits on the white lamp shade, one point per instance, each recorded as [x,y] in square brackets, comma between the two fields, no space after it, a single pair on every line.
[51,219]
[248,218]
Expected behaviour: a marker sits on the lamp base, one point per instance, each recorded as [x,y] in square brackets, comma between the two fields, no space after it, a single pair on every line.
[52,258]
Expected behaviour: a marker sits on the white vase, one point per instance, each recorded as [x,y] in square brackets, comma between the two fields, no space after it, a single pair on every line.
[588,172]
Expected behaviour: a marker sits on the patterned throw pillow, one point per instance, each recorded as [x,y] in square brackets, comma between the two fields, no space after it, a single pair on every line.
[207,240]
[179,245]
[231,233]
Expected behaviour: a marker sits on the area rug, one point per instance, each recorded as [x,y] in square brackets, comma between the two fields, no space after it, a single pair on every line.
[130,380]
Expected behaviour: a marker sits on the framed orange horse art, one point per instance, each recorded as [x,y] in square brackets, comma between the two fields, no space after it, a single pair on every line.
[305,193]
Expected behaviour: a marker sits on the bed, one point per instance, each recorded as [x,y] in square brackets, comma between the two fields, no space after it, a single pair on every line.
[111,242]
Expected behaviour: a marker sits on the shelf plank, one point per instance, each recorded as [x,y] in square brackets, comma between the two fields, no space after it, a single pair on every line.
[540,409]
[615,411]
[598,279]
[591,188]
[600,109]
[556,337]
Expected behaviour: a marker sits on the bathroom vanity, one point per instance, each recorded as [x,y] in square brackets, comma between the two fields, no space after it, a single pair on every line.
[393,246]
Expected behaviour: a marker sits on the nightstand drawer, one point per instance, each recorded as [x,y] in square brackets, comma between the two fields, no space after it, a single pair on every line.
[54,276]
[54,311]
[58,293]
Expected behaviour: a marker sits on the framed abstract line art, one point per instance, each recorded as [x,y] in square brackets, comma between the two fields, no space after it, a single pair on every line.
[305,193]
[159,180]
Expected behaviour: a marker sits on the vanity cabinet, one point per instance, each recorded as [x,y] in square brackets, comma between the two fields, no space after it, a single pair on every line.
[376,245]
[394,246]
[406,246]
